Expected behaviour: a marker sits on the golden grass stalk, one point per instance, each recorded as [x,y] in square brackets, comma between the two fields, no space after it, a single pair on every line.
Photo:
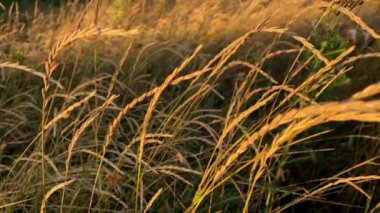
[325,69]
[369,91]
[269,96]
[240,97]
[79,132]
[66,112]
[244,115]
[292,73]
[137,139]
[152,200]
[316,76]
[376,208]
[360,57]
[180,169]
[113,126]
[349,181]
[271,55]
[195,75]
[115,123]
[336,76]
[231,49]
[51,65]
[118,69]
[104,159]
[149,115]
[113,80]
[51,191]
[14,203]
[311,47]
[356,19]
[29,70]
[311,116]
[253,68]
[186,105]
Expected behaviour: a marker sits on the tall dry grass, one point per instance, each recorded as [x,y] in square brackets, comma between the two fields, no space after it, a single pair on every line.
[176,127]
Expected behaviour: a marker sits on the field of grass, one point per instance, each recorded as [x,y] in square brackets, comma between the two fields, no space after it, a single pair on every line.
[189,106]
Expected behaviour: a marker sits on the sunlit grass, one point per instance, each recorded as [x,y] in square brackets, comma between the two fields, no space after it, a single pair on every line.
[177,106]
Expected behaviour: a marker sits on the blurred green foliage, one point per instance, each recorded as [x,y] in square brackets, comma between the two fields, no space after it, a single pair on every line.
[330,42]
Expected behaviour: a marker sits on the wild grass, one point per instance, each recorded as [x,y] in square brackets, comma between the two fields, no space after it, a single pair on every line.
[168,112]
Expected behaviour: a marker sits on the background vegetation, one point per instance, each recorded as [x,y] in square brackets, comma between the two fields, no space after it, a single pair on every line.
[197,106]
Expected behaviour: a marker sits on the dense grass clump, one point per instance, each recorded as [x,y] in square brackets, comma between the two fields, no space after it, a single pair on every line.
[189,106]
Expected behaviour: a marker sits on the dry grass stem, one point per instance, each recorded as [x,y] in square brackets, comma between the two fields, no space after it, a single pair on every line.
[152,200]
[51,191]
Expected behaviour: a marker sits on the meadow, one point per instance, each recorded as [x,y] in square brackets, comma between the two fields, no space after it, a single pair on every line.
[189,106]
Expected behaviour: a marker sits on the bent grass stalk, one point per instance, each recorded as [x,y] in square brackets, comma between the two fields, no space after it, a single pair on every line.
[313,115]
[51,191]
[51,65]
[148,117]
[158,91]
[79,132]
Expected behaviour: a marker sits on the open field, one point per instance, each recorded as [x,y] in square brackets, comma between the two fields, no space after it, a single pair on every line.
[189,106]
